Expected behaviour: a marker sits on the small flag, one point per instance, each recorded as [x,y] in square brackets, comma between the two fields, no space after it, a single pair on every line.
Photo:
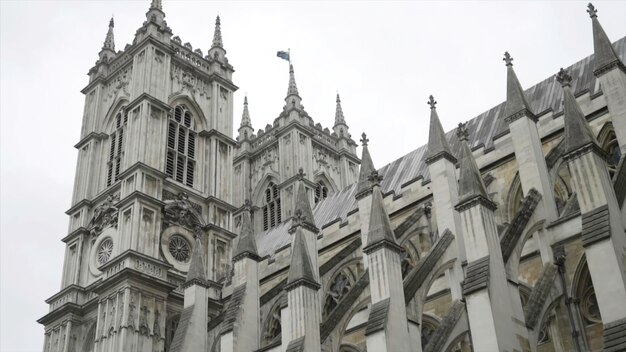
[283,55]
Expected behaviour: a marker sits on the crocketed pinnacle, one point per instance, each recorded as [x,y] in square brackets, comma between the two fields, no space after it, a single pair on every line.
[604,54]
[303,215]
[516,102]
[109,41]
[245,117]
[437,143]
[367,167]
[196,266]
[379,230]
[247,243]
[339,119]
[217,35]
[293,89]
[301,269]
[156,4]
[577,130]
[470,182]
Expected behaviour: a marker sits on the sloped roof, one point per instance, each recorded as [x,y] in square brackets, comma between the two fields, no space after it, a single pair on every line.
[544,96]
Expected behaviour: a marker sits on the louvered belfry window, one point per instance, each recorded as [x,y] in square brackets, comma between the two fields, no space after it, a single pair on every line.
[116,147]
[180,161]
[271,209]
[321,192]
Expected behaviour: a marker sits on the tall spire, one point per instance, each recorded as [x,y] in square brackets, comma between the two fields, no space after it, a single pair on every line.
[247,243]
[303,215]
[379,231]
[301,269]
[470,182]
[217,35]
[245,116]
[516,103]
[605,57]
[577,130]
[293,89]
[109,41]
[339,119]
[364,186]
[438,146]
[196,267]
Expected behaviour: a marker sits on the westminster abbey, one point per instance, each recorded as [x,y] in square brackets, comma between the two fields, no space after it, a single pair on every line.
[189,233]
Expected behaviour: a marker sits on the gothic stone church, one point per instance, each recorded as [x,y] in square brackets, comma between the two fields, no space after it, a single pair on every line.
[505,234]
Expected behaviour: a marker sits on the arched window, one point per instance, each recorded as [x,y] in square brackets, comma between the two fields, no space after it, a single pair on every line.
[339,288]
[273,328]
[614,154]
[116,147]
[181,146]
[271,209]
[321,192]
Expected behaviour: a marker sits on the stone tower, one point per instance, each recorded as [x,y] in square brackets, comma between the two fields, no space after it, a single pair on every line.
[266,163]
[153,185]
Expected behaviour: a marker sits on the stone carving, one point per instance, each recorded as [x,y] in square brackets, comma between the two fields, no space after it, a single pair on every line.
[156,327]
[181,211]
[131,311]
[144,328]
[105,215]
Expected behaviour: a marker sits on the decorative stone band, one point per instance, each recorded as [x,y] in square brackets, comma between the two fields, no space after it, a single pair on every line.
[303,282]
[539,295]
[363,193]
[296,345]
[382,244]
[304,224]
[477,277]
[441,155]
[247,254]
[614,336]
[377,319]
[580,151]
[425,266]
[514,232]
[609,66]
[517,115]
[596,226]
[439,338]
[473,201]
[231,312]
[199,282]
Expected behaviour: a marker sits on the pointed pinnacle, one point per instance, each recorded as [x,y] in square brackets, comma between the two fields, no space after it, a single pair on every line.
[379,230]
[339,112]
[364,185]
[577,131]
[293,89]
[196,265]
[156,4]
[604,56]
[301,269]
[109,41]
[437,143]
[516,104]
[245,116]
[247,243]
[303,215]
[470,181]
[217,35]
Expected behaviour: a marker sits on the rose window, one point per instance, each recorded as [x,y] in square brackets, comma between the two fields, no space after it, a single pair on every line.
[179,249]
[104,251]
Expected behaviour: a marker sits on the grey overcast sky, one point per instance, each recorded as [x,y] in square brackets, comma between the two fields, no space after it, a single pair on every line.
[384,58]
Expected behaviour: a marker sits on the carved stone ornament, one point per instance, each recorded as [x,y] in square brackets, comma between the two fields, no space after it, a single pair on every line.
[180,211]
[105,215]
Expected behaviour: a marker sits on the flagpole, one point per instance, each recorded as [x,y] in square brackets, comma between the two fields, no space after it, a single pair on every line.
[289,52]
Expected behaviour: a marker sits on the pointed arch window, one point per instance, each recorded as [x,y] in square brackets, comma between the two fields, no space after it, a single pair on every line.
[273,328]
[272,207]
[614,154]
[321,192]
[116,148]
[339,288]
[180,163]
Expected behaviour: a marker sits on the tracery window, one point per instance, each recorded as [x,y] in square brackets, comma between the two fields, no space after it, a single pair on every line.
[321,192]
[273,328]
[614,154]
[179,248]
[180,161]
[116,147]
[339,288]
[105,250]
[271,209]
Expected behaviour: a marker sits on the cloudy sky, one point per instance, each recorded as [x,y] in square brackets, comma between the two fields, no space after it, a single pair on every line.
[384,58]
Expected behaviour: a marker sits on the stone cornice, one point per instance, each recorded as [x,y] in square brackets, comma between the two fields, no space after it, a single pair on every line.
[472,201]
[81,203]
[247,254]
[591,147]
[74,234]
[221,203]
[89,137]
[150,98]
[441,155]
[302,282]
[608,67]
[383,244]
[524,112]
[220,230]
[141,166]
[306,225]
[219,135]
[139,195]
[198,282]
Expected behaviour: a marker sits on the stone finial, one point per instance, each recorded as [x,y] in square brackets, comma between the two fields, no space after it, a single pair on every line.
[156,4]
[508,59]
[301,174]
[591,10]
[461,132]
[247,205]
[375,178]
[432,102]
[364,139]
[564,78]
[217,35]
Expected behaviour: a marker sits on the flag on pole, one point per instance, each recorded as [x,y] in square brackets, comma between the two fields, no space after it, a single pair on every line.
[284,55]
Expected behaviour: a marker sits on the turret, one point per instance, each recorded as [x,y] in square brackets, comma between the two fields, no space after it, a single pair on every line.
[108,48]
[245,128]
[340,127]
